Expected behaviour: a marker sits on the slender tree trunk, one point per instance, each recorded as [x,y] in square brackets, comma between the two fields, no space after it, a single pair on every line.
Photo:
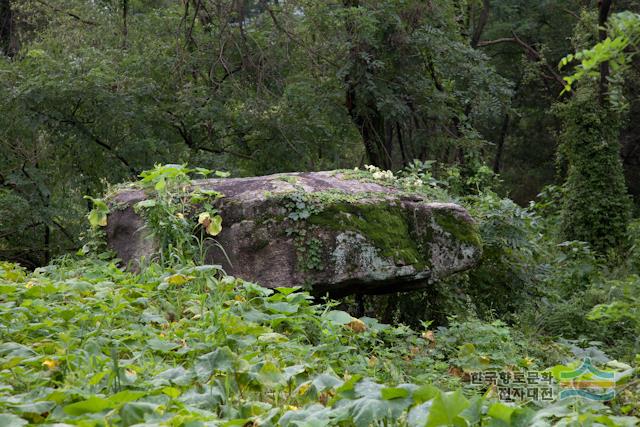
[497,163]
[125,28]
[388,144]
[7,41]
[47,244]
[603,16]
[482,22]
[403,150]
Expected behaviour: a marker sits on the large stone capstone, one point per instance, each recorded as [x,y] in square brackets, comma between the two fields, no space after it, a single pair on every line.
[325,231]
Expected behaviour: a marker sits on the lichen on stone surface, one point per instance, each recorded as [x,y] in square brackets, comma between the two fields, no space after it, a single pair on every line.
[384,225]
[354,252]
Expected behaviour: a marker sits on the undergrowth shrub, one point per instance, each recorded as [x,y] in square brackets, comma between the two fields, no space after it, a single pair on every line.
[476,345]
[507,275]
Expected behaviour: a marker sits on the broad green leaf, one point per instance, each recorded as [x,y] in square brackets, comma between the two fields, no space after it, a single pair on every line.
[282,307]
[10,420]
[473,414]
[501,412]
[219,360]
[366,411]
[162,345]
[425,393]
[270,375]
[136,412]
[34,407]
[172,392]
[178,376]
[287,291]
[349,385]
[326,382]
[146,204]
[124,397]
[390,393]
[446,409]
[339,317]
[161,184]
[91,405]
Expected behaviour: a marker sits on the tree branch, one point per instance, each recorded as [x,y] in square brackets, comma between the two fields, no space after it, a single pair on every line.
[293,36]
[83,129]
[532,53]
[482,22]
[71,14]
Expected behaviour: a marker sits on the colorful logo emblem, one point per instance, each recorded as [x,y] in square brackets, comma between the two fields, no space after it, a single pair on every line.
[588,382]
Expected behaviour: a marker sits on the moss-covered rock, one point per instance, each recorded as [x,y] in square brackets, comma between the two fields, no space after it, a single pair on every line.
[324,230]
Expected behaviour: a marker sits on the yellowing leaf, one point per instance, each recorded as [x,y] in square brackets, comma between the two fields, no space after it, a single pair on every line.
[98,215]
[212,225]
[356,325]
[97,219]
[204,218]
[178,279]
[215,226]
[51,364]
[303,388]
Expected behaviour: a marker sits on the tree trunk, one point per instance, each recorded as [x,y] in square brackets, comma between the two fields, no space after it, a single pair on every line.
[364,113]
[482,22]
[7,41]
[125,28]
[497,163]
[603,16]
[403,150]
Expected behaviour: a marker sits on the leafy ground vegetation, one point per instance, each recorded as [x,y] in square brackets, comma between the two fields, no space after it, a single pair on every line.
[181,343]
[459,100]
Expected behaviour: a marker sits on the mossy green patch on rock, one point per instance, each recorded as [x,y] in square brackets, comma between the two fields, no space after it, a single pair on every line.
[384,225]
[463,231]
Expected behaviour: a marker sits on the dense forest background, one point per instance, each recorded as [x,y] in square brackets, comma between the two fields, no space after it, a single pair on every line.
[94,92]
[523,112]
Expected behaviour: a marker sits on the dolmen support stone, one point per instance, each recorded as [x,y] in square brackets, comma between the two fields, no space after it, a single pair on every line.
[325,231]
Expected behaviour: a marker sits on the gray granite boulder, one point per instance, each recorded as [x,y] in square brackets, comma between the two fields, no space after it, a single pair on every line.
[326,231]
